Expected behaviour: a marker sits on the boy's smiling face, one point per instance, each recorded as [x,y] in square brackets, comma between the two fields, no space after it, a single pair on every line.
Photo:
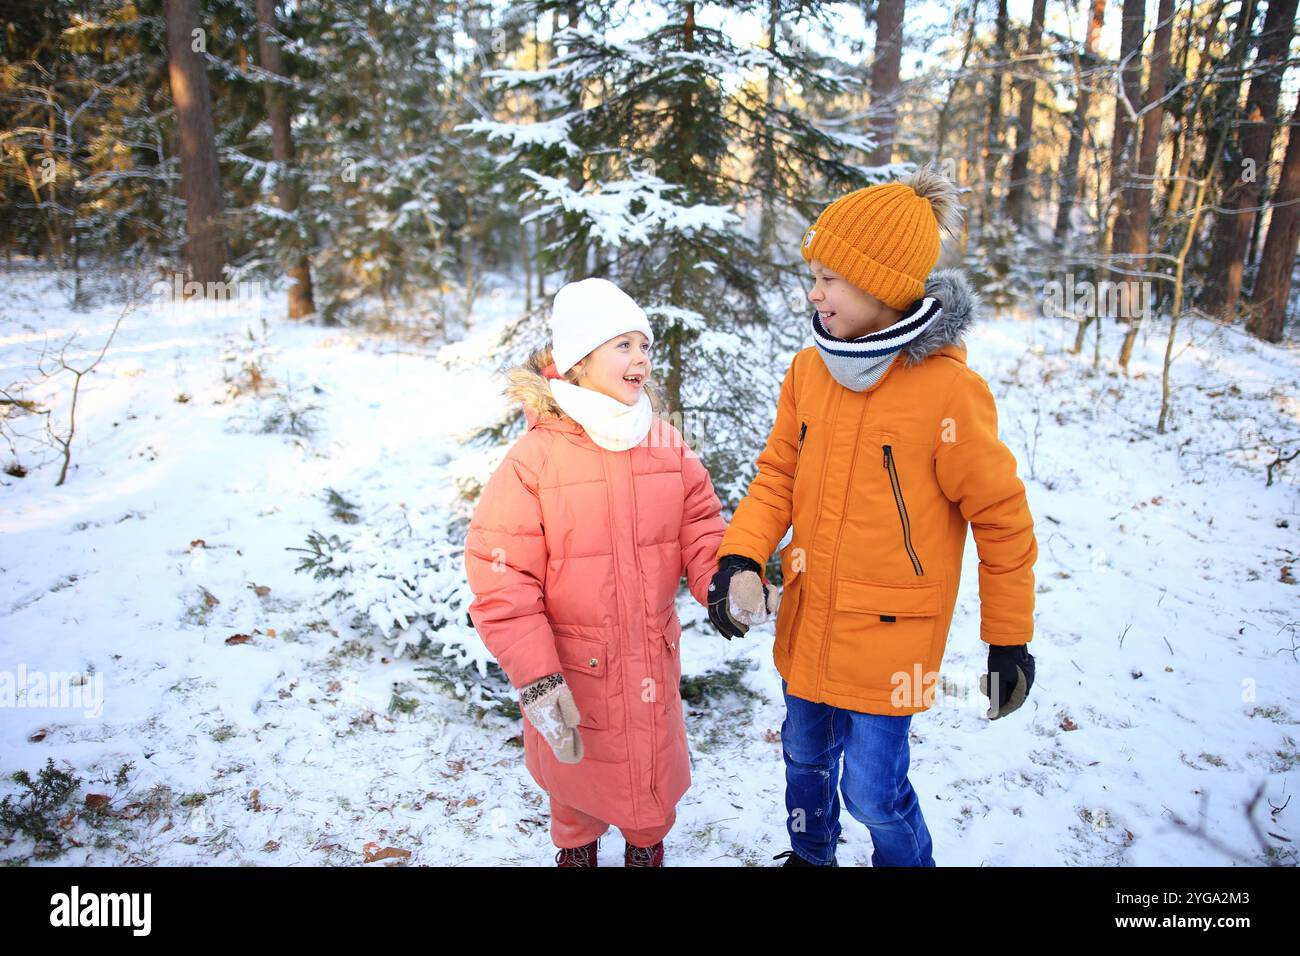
[618,368]
[846,311]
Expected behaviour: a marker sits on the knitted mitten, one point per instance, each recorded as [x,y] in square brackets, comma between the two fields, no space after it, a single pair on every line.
[1010,674]
[739,597]
[550,708]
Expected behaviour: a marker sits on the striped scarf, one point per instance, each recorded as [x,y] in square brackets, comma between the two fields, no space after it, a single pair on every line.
[859,363]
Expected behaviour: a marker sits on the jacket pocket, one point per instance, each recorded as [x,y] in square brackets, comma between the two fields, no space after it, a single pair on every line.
[669,628]
[881,635]
[585,668]
[896,487]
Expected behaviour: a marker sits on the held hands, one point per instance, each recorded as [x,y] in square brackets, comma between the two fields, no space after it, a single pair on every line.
[550,708]
[739,597]
[1011,674]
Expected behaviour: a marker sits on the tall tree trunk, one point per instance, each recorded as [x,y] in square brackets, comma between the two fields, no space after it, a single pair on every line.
[941,130]
[1026,90]
[1185,137]
[53,205]
[205,250]
[578,180]
[1070,186]
[767,154]
[1228,89]
[1233,224]
[1142,186]
[546,227]
[683,122]
[1252,250]
[1128,101]
[286,182]
[1070,174]
[1277,265]
[74,224]
[1176,312]
[993,137]
[884,78]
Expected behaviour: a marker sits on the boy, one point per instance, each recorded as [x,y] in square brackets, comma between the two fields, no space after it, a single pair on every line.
[885,448]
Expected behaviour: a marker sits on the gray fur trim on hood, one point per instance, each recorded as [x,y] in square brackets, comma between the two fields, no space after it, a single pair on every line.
[959,302]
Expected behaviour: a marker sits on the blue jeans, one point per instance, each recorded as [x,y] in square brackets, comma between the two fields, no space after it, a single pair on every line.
[876,789]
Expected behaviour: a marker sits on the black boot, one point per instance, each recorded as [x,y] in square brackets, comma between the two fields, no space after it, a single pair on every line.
[794,859]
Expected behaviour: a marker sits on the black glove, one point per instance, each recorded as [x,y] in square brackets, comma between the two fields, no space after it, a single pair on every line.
[719,589]
[1013,667]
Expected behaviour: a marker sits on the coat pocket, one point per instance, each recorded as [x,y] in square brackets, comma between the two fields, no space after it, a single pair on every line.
[881,634]
[669,628]
[586,670]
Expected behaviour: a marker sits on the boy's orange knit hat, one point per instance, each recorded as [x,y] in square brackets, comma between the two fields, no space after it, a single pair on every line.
[885,238]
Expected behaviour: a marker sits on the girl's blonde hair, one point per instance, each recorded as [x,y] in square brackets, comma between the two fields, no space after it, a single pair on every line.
[540,358]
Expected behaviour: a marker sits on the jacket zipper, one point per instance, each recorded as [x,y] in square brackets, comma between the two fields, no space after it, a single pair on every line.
[636,555]
[902,508]
[798,455]
[794,627]
[839,536]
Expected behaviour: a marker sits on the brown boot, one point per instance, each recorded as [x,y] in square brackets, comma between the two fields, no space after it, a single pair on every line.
[577,856]
[643,855]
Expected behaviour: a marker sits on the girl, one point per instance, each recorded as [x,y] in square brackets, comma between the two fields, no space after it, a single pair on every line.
[574,555]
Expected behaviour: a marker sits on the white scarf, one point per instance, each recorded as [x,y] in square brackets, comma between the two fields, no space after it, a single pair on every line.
[610,423]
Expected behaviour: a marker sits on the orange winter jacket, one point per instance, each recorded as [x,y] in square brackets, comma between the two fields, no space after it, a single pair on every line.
[880,486]
[574,555]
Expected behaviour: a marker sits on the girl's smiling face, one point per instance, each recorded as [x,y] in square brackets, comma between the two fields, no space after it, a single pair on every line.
[618,368]
[846,311]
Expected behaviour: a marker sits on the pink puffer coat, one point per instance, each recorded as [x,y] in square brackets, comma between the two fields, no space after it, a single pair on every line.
[574,556]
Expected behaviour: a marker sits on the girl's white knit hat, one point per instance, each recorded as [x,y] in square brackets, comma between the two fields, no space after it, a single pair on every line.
[588,313]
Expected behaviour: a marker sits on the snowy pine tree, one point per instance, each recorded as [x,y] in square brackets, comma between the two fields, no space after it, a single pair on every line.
[653,166]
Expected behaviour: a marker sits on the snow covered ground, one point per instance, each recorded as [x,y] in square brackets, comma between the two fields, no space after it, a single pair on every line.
[1166,628]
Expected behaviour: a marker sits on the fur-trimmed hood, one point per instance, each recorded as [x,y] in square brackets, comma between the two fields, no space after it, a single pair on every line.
[960,305]
[527,387]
